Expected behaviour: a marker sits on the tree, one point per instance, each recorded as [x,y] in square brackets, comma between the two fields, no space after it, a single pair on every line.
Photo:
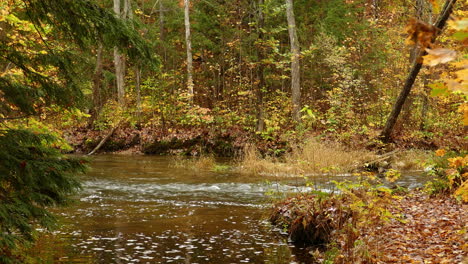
[119,61]
[97,85]
[38,53]
[188,43]
[260,70]
[295,64]
[416,67]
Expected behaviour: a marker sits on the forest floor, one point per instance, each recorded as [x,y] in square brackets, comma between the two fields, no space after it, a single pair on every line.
[434,230]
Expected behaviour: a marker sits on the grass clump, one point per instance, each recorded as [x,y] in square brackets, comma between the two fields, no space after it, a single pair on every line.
[312,157]
[198,163]
[202,163]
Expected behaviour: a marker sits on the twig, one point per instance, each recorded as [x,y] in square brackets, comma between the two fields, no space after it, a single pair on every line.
[104,140]
[383,157]
[13,118]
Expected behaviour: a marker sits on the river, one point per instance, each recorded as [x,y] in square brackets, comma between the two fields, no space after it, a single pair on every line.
[141,209]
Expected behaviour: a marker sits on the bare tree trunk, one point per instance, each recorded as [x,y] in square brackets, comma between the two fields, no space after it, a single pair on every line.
[97,86]
[375,8]
[424,95]
[260,73]
[188,42]
[128,13]
[119,64]
[138,89]
[424,108]
[126,9]
[419,13]
[295,65]
[162,35]
[440,24]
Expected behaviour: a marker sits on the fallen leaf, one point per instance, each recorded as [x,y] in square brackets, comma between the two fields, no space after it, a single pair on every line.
[438,56]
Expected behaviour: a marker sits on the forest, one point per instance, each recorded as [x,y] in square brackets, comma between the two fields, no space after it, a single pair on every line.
[268,89]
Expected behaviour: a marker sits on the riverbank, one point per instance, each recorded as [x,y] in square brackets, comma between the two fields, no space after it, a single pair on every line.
[232,141]
[413,228]
[373,220]
[312,152]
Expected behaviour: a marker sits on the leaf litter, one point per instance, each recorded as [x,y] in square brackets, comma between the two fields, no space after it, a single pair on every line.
[431,230]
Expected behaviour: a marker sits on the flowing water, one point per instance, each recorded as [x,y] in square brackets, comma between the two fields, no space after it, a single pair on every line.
[140,209]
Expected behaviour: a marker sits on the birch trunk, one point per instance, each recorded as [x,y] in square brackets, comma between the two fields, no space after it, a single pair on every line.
[295,64]
[188,42]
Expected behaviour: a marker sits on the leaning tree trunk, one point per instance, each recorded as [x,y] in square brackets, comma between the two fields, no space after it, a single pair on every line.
[417,64]
[188,43]
[295,66]
[119,64]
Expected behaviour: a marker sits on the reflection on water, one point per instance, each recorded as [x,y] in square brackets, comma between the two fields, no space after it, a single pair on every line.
[138,209]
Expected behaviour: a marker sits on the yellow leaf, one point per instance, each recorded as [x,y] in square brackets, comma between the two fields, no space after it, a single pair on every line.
[459,24]
[457,86]
[462,192]
[463,74]
[435,5]
[464,110]
[461,64]
[440,152]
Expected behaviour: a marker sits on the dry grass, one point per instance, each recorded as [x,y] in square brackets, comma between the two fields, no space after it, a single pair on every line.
[412,159]
[200,163]
[312,157]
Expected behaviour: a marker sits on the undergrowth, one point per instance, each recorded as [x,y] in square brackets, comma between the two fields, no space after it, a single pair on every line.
[450,174]
[335,224]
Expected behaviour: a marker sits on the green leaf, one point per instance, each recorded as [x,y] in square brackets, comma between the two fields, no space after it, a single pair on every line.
[460,35]
[438,89]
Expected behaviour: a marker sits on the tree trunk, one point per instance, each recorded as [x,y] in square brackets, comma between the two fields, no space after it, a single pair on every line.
[440,24]
[419,13]
[260,73]
[425,93]
[97,86]
[119,64]
[424,108]
[161,29]
[138,89]
[188,42]
[126,9]
[295,66]
[375,8]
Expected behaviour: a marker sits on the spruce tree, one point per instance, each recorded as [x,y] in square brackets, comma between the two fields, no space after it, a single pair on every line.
[38,42]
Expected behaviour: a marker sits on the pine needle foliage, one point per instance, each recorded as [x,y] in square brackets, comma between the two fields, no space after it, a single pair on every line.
[33,177]
[39,67]
[84,22]
[79,24]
